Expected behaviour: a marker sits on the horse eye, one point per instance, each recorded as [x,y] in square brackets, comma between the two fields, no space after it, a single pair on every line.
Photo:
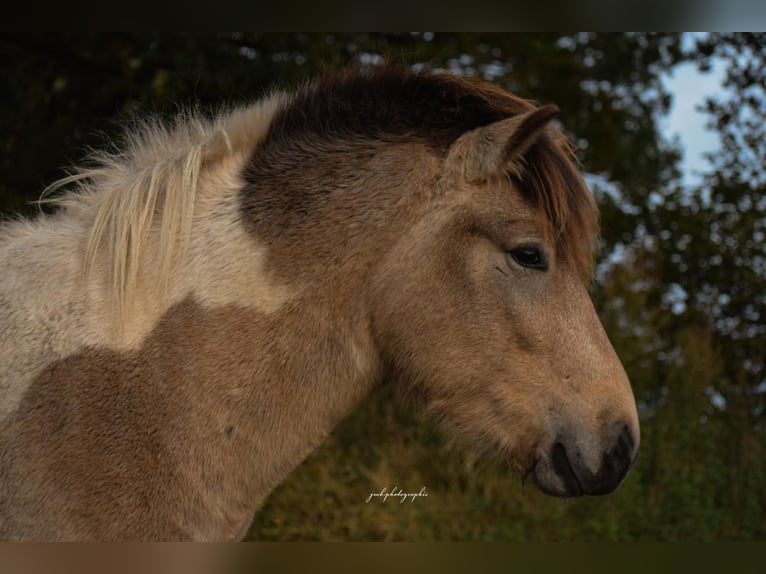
[529,256]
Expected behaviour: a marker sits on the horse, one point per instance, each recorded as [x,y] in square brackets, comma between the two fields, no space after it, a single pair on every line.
[202,306]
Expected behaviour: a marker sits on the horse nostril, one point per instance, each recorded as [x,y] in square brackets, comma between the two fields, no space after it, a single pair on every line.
[615,464]
[624,450]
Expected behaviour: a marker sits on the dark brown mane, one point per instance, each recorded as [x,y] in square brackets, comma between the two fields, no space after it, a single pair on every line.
[390,103]
[394,104]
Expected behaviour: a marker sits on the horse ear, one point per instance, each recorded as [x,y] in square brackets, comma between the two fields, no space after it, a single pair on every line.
[498,147]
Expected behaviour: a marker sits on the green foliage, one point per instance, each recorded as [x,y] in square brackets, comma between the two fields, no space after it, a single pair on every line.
[681,288]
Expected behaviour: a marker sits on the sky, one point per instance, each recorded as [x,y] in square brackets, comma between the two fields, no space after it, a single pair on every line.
[690,87]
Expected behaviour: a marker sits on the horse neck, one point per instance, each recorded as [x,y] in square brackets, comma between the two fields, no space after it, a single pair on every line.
[272,358]
[260,392]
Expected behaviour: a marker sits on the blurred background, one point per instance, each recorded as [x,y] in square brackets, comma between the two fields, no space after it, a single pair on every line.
[670,130]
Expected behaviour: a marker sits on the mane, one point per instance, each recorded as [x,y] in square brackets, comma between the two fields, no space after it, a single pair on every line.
[392,103]
[150,183]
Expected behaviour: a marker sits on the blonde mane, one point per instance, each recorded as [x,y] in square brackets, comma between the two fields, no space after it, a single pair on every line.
[150,186]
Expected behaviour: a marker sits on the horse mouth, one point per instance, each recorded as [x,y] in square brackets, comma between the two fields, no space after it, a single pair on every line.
[562,466]
[555,476]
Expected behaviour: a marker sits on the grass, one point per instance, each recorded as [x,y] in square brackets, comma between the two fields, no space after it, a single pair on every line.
[385,445]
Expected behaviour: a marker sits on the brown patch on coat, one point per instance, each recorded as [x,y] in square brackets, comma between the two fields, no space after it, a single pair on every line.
[181,439]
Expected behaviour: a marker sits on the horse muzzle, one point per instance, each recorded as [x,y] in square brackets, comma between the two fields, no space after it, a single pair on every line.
[565,470]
